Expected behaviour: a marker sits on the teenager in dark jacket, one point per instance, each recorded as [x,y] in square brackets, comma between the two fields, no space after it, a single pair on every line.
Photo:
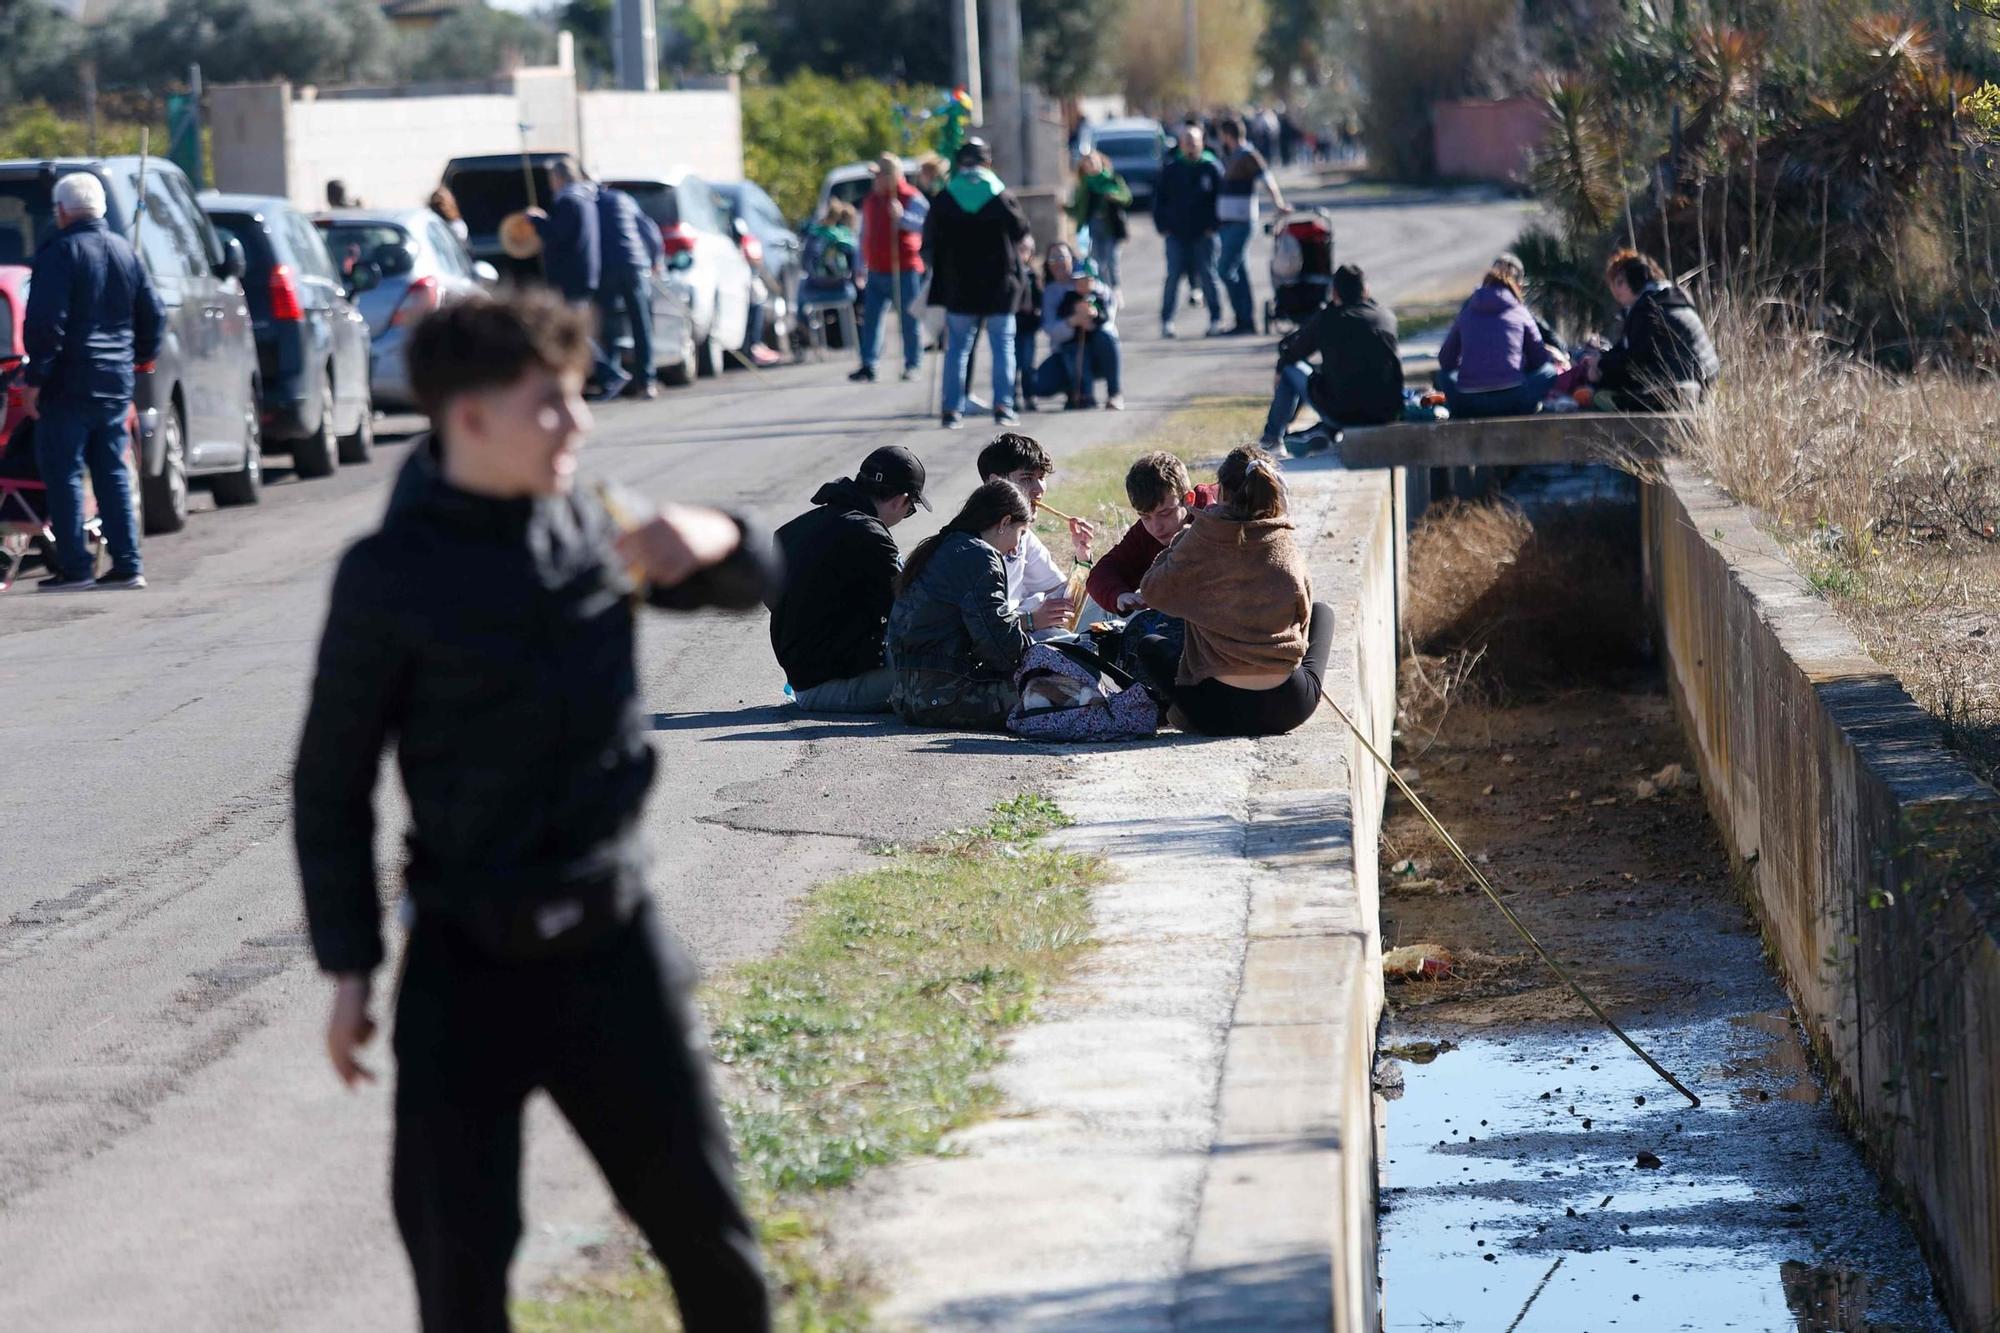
[487,631]
[829,622]
[973,236]
[955,638]
[1665,358]
[93,321]
[1184,211]
[1360,379]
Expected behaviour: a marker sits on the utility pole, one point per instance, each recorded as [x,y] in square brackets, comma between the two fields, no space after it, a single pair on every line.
[1007,118]
[1191,51]
[635,46]
[965,54]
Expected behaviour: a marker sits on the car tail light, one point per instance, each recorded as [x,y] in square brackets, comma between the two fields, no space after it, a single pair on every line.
[285,305]
[422,298]
[678,239]
[753,249]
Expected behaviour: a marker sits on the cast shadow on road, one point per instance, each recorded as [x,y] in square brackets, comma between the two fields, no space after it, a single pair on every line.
[1294,1292]
[787,723]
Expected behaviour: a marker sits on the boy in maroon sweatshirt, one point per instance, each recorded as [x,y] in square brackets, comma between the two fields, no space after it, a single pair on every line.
[1158,487]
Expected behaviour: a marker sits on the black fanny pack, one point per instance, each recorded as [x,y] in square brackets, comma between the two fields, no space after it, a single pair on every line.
[536,915]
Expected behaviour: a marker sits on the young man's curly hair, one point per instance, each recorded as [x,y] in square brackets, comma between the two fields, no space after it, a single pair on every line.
[486,342]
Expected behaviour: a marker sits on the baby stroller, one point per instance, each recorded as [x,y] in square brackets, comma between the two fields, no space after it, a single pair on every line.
[1301,268]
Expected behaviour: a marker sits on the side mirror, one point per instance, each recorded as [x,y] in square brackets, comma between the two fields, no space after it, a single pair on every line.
[363,277]
[233,264]
[487,274]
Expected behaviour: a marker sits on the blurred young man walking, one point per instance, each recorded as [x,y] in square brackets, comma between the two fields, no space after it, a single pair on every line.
[487,631]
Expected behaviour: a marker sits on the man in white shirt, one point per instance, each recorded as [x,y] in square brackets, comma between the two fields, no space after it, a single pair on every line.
[1034,584]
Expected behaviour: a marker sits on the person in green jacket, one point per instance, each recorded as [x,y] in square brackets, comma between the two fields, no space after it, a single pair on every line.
[1098,207]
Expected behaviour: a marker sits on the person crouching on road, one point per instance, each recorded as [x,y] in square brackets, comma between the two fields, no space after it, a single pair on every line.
[1256,643]
[955,638]
[829,621]
[487,631]
[92,324]
[1035,586]
[1081,320]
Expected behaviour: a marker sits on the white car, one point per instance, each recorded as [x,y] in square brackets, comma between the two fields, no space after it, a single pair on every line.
[705,265]
[851,183]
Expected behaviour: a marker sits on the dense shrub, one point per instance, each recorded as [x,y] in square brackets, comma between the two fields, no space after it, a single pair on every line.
[795,130]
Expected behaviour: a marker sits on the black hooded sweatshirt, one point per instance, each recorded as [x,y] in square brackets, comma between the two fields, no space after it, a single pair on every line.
[1665,344]
[829,620]
[491,641]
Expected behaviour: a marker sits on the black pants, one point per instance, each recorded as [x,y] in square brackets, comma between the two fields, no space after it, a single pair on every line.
[1216,709]
[615,1041]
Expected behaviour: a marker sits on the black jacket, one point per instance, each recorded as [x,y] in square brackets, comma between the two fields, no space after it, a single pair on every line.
[1665,343]
[628,241]
[975,258]
[957,617]
[1184,196]
[491,641]
[92,315]
[828,621]
[572,250]
[1360,380]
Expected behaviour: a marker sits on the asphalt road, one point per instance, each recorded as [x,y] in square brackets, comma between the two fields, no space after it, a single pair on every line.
[173,1151]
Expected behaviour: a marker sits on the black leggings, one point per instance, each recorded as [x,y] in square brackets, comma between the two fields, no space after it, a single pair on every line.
[1216,709]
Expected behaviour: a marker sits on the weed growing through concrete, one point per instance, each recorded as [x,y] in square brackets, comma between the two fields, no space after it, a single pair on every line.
[863,1041]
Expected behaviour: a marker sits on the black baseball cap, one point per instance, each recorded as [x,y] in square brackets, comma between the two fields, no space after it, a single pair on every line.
[896,470]
[973,152]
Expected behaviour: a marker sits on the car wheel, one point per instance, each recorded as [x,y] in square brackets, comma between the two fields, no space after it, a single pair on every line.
[163,500]
[360,446]
[710,361]
[246,485]
[684,370]
[318,455]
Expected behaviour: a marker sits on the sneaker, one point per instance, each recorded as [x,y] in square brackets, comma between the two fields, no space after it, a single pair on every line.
[1242,331]
[760,355]
[1310,440]
[1167,330]
[953,421]
[1215,330]
[1280,452]
[611,389]
[865,375]
[58,583]
[1004,416]
[122,578]
[1030,405]
[1115,403]
[911,372]
[1194,297]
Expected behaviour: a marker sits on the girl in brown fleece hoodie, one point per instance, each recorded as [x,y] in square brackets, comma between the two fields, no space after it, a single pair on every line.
[1256,641]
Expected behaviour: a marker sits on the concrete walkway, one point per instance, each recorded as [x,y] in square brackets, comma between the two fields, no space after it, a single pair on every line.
[1187,1139]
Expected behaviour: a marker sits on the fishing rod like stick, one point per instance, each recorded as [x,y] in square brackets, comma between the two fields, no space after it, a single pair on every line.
[139,213]
[1506,911]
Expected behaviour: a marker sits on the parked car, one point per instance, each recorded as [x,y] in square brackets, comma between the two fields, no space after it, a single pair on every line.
[851,182]
[312,344]
[1134,147]
[198,413]
[772,249]
[705,263]
[399,264]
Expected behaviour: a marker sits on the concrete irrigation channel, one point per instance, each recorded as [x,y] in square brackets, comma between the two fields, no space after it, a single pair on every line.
[1732,827]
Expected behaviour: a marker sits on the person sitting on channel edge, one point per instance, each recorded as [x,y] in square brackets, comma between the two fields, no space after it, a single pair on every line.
[973,236]
[1035,587]
[91,327]
[1158,486]
[829,621]
[1360,379]
[1256,642]
[1493,362]
[1664,359]
[487,630]
[891,248]
[955,637]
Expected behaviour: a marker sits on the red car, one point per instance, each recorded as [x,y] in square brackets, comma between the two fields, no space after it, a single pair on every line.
[23,498]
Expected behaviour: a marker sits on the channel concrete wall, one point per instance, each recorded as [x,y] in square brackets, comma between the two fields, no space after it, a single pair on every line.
[1869,852]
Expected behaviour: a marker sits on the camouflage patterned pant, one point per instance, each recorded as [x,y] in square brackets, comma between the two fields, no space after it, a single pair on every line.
[945,699]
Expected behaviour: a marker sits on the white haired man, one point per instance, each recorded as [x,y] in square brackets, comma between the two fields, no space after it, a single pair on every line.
[93,323]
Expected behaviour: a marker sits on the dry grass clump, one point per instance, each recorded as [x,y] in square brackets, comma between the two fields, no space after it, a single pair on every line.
[1885,491]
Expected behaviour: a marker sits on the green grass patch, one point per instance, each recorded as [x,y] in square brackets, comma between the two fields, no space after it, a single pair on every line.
[864,1041]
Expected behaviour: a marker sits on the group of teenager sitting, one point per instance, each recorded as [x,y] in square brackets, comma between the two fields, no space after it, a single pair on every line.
[1499,359]
[1229,637]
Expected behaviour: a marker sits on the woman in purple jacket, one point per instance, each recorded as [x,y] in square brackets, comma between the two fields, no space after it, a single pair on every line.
[1494,362]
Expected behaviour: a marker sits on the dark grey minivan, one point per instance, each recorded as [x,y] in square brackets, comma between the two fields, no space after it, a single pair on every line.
[198,414]
[312,344]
